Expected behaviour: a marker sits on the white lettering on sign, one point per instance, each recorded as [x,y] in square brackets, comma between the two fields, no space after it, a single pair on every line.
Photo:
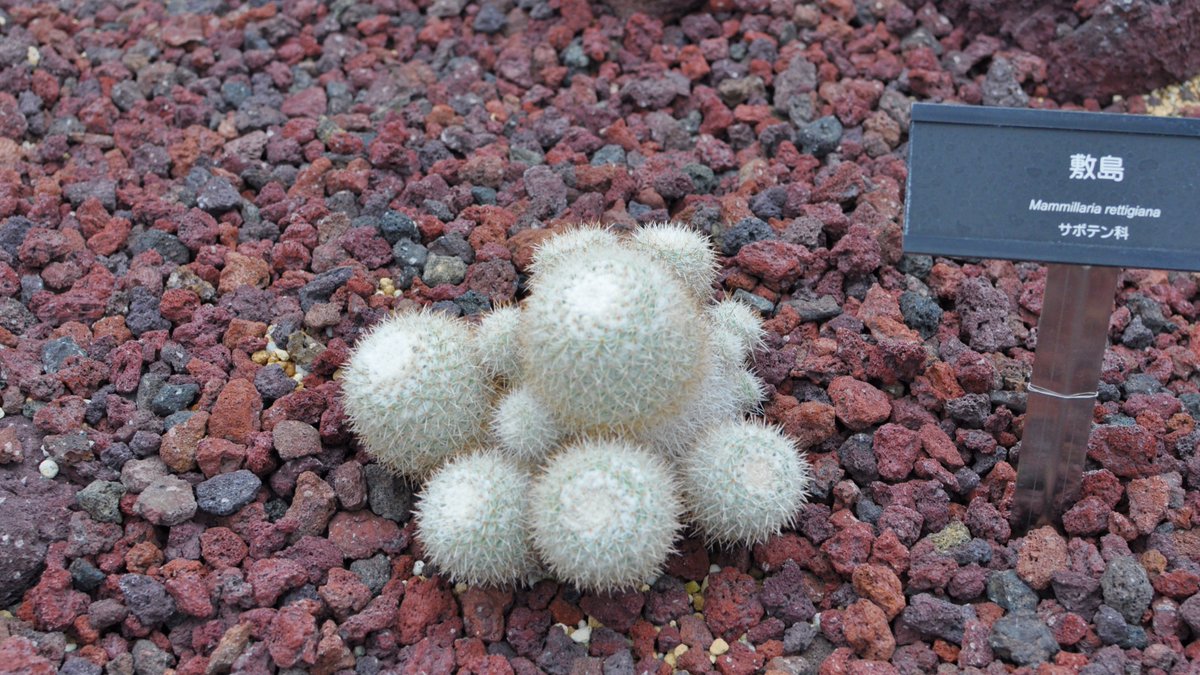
[1089,231]
[1083,167]
[1129,211]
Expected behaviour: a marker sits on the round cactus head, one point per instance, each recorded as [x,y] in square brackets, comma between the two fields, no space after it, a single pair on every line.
[743,482]
[414,391]
[604,515]
[748,389]
[496,341]
[739,329]
[689,255]
[470,519]
[610,341]
[570,244]
[524,426]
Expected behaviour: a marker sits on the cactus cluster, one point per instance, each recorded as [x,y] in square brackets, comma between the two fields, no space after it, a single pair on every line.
[579,431]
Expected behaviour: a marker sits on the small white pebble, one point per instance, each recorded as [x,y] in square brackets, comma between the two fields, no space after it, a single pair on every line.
[582,635]
[33,55]
[418,567]
[713,569]
[48,468]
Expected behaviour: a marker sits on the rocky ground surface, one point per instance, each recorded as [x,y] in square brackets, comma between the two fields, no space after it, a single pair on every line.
[204,203]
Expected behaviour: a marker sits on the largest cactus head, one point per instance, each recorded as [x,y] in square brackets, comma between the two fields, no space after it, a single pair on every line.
[610,340]
[415,393]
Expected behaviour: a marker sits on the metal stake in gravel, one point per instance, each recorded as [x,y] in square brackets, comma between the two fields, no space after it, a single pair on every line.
[1090,192]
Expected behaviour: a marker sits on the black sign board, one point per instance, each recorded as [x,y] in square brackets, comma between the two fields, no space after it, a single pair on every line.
[1054,186]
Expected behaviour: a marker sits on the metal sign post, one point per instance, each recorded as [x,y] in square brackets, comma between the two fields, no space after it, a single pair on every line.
[1072,335]
[1089,193]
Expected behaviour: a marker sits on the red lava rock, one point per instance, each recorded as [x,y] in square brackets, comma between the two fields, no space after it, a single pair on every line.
[292,638]
[483,612]
[222,547]
[731,604]
[881,586]
[777,263]
[690,561]
[235,415]
[178,449]
[1148,500]
[939,446]
[858,404]
[1043,553]
[426,602]
[618,611]
[849,548]
[216,456]
[1089,516]
[810,423]
[866,629]
[896,449]
[20,655]
[362,534]
[1127,451]
[526,630]
[741,659]
[52,604]
[313,503]
[272,577]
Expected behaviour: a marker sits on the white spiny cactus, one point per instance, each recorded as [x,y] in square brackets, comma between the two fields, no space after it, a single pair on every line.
[610,341]
[604,515]
[524,426]
[688,254]
[497,343]
[743,482]
[470,519]
[415,393]
[715,400]
[748,389]
[740,325]
[567,245]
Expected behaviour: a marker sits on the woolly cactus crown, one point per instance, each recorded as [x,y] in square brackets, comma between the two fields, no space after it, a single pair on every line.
[470,519]
[414,391]
[610,341]
[604,515]
[569,244]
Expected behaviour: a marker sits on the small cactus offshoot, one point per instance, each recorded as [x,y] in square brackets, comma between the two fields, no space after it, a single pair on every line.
[524,426]
[743,482]
[686,252]
[470,519]
[604,515]
[496,340]
[415,392]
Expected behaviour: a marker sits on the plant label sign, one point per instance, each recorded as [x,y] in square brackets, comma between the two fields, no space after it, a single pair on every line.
[1053,186]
